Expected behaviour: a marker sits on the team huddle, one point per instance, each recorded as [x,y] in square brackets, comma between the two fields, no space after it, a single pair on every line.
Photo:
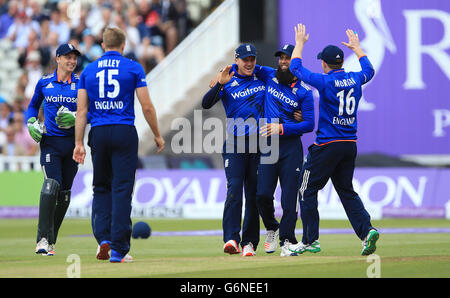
[103,95]
[332,155]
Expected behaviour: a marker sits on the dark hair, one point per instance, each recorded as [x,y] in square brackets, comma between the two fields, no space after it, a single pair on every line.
[334,66]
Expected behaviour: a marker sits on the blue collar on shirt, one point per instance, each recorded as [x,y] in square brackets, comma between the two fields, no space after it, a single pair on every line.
[335,70]
[69,81]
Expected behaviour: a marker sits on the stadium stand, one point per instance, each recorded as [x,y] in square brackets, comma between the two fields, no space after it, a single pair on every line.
[181,43]
[30,31]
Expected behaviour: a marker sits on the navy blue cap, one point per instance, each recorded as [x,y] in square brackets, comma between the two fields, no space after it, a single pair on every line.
[65,49]
[287,49]
[142,230]
[245,50]
[331,55]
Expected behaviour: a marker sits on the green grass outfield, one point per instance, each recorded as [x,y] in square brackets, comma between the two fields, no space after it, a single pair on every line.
[401,255]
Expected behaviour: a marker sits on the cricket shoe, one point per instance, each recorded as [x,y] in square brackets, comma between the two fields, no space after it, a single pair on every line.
[369,243]
[298,248]
[285,252]
[103,250]
[50,250]
[313,247]
[231,247]
[116,257]
[271,243]
[248,250]
[42,246]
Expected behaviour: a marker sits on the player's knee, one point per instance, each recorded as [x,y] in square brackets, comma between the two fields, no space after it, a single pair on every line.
[263,198]
[232,195]
[235,184]
[64,197]
[309,205]
[50,187]
[102,189]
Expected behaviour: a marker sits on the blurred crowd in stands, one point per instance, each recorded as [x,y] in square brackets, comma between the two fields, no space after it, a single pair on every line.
[37,27]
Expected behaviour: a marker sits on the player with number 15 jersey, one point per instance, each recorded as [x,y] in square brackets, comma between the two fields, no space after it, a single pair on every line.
[110,102]
[107,91]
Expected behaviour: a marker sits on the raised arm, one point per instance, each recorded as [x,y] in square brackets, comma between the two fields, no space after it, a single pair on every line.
[353,44]
[213,95]
[296,66]
[300,39]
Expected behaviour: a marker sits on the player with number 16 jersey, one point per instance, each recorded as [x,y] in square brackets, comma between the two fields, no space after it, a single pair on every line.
[334,152]
[340,92]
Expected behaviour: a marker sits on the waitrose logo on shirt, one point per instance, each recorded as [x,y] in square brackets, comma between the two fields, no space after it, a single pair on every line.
[60,99]
[282,97]
[248,92]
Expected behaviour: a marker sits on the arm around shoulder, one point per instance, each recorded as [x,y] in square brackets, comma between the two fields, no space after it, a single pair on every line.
[307,124]
[263,72]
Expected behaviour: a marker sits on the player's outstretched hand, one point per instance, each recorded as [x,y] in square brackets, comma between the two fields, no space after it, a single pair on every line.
[353,40]
[300,34]
[214,81]
[225,75]
[160,143]
[79,153]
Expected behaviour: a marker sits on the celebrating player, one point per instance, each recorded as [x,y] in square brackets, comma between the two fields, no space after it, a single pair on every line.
[334,151]
[57,93]
[106,91]
[242,95]
[285,94]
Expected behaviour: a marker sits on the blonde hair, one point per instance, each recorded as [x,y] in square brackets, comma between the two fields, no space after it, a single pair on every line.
[113,37]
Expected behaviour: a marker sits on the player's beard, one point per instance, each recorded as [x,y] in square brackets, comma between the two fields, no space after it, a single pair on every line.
[284,77]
